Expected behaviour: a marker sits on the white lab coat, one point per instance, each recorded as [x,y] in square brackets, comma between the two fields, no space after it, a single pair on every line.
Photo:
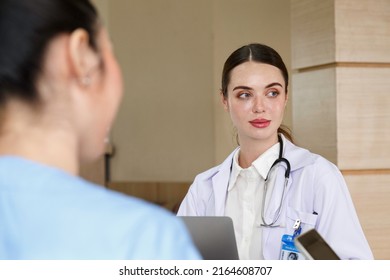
[316,194]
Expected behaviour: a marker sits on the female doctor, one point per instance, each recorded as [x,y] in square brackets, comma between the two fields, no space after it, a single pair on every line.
[269,186]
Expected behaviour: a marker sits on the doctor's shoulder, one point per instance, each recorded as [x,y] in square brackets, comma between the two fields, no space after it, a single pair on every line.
[302,157]
[222,169]
[206,177]
[205,183]
[322,171]
[303,161]
[325,168]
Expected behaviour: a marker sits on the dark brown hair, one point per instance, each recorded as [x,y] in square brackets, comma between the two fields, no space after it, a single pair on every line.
[26,28]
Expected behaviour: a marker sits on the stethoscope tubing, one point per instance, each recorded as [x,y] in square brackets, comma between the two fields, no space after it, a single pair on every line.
[280,159]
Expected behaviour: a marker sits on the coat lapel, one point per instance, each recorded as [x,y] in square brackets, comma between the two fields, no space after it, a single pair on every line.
[220,183]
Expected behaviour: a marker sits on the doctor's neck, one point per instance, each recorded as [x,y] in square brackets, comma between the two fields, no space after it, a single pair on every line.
[251,149]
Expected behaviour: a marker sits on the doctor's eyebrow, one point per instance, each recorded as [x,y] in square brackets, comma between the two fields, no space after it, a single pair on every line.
[267,86]
[274,84]
[242,87]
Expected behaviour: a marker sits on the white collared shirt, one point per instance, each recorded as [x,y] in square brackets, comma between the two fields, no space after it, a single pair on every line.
[245,199]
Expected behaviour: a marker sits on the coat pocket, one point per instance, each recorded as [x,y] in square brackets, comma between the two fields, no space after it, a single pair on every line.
[308,220]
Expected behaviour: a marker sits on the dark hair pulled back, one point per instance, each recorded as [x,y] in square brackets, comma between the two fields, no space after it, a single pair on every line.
[26,28]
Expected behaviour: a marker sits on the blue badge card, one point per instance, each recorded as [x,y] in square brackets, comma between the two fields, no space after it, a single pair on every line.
[288,251]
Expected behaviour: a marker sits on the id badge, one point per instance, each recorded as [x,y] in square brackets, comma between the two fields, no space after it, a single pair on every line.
[288,251]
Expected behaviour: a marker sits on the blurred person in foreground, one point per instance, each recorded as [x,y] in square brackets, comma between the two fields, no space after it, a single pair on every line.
[60,88]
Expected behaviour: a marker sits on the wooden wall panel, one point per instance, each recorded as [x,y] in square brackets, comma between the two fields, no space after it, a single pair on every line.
[362,31]
[371,195]
[363,117]
[314,114]
[341,58]
[312,29]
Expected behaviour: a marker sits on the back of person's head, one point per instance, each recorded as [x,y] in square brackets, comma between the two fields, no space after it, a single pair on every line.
[26,28]
[58,76]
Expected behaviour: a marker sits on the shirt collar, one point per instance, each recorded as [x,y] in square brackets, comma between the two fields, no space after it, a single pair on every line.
[262,164]
[235,170]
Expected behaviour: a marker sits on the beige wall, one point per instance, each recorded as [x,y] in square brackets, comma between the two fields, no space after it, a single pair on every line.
[102,6]
[171,125]
[164,130]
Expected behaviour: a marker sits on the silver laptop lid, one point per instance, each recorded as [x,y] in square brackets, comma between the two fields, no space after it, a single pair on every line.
[214,236]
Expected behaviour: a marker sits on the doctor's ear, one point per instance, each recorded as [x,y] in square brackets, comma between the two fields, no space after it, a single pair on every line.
[224,101]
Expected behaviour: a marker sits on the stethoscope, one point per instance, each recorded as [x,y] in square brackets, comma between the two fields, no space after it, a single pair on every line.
[280,159]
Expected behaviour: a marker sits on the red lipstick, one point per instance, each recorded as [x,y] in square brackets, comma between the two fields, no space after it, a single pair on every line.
[260,123]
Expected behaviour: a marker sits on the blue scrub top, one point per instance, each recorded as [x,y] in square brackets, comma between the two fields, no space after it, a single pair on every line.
[46,213]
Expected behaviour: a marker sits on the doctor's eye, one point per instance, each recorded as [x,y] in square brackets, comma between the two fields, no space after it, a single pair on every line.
[243,95]
[273,93]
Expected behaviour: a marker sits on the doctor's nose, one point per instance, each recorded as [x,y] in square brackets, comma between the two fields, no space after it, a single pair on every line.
[258,105]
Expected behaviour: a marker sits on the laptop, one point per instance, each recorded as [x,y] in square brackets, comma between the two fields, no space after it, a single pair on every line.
[213,236]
